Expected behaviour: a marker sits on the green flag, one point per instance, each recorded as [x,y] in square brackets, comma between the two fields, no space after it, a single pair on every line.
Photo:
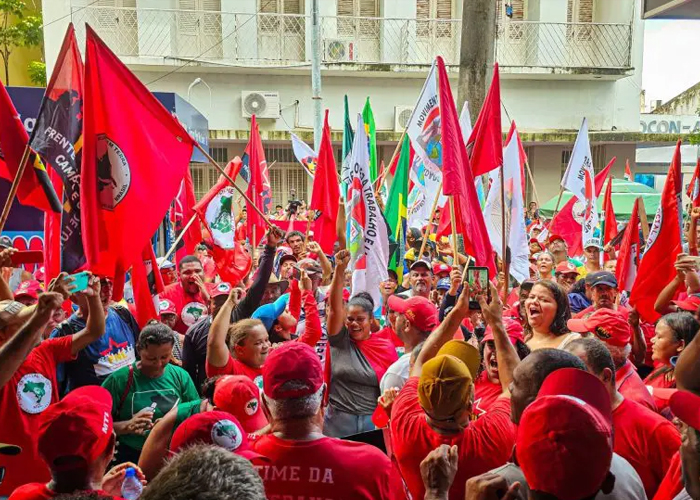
[348,138]
[371,129]
[396,211]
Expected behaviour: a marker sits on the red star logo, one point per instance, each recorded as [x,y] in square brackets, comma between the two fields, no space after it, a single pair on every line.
[113,347]
[476,409]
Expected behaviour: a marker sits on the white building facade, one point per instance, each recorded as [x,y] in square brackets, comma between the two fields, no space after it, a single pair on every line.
[560,60]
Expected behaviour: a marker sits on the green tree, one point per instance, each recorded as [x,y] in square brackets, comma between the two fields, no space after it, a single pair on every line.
[17,29]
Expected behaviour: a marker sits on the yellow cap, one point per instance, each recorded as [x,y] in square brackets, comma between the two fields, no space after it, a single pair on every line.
[465,352]
[444,387]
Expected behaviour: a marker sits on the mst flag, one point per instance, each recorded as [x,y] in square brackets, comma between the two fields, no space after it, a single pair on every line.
[216,210]
[628,258]
[259,191]
[58,140]
[424,125]
[608,220]
[35,188]
[181,213]
[485,144]
[396,211]
[366,231]
[371,131]
[694,187]
[663,245]
[325,197]
[134,159]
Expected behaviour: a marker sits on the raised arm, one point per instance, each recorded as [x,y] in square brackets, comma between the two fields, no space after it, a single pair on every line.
[217,350]
[692,235]
[95,323]
[664,299]
[312,330]
[336,309]
[314,247]
[639,343]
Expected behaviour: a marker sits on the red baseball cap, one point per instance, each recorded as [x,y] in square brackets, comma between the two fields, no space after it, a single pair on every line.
[686,406]
[292,361]
[690,303]
[238,395]
[578,384]
[418,310]
[566,267]
[79,425]
[29,288]
[564,447]
[213,427]
[555,237]
[166,306]
[514,330]
[608,325]
[222,288]
[441,267]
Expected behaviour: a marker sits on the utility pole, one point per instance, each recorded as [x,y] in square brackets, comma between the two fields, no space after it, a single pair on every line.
[476,54]
[316,72]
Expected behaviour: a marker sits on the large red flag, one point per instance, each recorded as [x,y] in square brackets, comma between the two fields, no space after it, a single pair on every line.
[326,193]
[181,213]
[694,187]
[216,210]
[567,223]
[134,159]
[257,188]
[485,144]
[609,220]
[52,235]
[628,258]
[35,188]
[147,283]
[656,270]
[458,180]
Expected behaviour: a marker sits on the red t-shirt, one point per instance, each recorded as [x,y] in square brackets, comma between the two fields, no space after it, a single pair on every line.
[39,491]
[189,307]
[389,334]
[631,386]
[485,394]
[484,445]
[647,441]
[323,468]
[672,483]
[235,367]
[663,381]
[209,267]
[26,395]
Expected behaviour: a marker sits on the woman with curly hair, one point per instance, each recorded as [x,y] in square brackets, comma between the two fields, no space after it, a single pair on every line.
[547,310]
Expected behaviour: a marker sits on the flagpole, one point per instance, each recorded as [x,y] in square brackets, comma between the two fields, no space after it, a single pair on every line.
[308,225]
[254,246]
[556,209]
[532,181]
[382,178]
[643,218]
[430,221]
[233,183]
[504,237]
[453,223]
[179,238]
[14,187]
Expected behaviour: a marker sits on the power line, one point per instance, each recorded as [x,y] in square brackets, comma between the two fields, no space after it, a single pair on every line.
[70,14]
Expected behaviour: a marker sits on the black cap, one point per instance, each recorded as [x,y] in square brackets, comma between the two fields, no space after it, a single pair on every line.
[601,278]
[392,274]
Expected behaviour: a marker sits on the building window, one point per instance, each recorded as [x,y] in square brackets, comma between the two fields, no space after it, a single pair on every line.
[117,24]
[204,176]
[274,23]
[597,155]
[433,18]
[199,28]
[220,155]
[516,9]
[286,175]
[359,18]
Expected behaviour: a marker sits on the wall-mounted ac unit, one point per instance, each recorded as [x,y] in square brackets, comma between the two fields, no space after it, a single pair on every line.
[338,50]
[262,104]
[401,116]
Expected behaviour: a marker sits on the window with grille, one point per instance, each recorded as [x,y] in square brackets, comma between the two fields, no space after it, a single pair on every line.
[433,18]
[286,174]
[204,176]
[199,28]
[356,14]
[597,155]
[270,22]
[220,155]
[514,31]
[580,11]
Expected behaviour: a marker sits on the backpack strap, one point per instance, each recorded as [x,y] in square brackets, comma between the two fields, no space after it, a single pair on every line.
[129,383]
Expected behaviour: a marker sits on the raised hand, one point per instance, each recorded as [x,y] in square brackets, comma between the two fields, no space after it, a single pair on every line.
[342,259]
[438,471]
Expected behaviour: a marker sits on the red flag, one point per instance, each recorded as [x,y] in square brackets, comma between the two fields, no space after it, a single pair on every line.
[146,284]
[521,153]
[628,258]
[656,270]
[134,159]
[35,188]
[485,144]
[609,220]
[215,210]
[256,187]
[52,235]
[458,180]
[181,214]
[565,223]
[325,196]
[694,187]
[628,172]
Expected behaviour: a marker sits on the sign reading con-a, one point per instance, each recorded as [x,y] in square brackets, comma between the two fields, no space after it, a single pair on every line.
[669,124]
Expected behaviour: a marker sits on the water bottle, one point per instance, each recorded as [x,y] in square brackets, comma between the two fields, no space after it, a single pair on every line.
[131,487]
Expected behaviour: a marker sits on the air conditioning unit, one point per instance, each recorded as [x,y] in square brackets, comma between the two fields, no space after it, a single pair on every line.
[262,104]
[401,116]
[338,50]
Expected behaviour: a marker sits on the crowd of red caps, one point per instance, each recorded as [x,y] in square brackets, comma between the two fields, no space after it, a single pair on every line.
[440,391]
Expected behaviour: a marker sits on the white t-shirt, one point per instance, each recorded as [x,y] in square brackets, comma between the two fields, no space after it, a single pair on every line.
[397,374]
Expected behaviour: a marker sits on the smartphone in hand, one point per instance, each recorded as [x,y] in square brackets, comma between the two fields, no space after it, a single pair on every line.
[79,281]
[478,276]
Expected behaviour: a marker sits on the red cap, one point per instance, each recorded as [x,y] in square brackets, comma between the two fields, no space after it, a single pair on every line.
[514,330]
[30,288]
[292,361]
[222,288]
[441,267]
[555,237]
[79,425]
[213,427]
[166,306]
[578,384]
[566,267]
[608,325]
[564,447]
[238,395]
[686,406]
[418,310]
[690,303]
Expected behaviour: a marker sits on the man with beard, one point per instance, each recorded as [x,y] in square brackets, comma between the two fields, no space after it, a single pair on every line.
[560,251]
[420,280]
[190,295]
[295,241]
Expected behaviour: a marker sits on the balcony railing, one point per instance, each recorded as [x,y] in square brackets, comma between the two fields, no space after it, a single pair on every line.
[162,36]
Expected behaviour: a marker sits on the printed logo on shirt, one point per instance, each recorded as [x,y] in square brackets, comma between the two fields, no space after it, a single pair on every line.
[251,407]
[258,381]
[34,393]
[117,355]
[477,410]
[226,434]
[191,312]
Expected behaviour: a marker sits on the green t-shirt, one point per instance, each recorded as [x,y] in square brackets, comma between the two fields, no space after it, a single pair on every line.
[173,387]
[185,411]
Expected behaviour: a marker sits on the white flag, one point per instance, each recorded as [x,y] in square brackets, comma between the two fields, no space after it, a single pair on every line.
[426,186]
[424,125]
[304,155]
[579,178]
[465,122]
[366,231]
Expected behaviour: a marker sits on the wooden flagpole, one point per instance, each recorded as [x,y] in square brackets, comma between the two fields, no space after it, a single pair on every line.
[254,247]
[643,219]
[380,180]
[453,224]
[532,181]
[504,238]
[430,222]
[308,224]
[15,186]
[556,209]
[179,237]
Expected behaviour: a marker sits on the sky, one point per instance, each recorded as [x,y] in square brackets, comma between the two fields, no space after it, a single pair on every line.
[671,63]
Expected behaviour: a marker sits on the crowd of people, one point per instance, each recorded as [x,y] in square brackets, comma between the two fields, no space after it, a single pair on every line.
[291,385]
